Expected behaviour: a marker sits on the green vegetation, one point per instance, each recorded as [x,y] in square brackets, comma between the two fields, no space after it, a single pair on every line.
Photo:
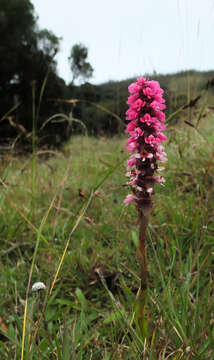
[63,221]
[87,310]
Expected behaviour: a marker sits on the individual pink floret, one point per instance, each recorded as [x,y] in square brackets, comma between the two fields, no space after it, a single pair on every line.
[136,133]
[160,154]
[138,105]
[132,98]
[129,198]
[131,114]
[151,140]
[161,137]
[160,115]
[141,82]
[158,126]
[132,161]
[148,119]
[159,179]
[156,105]
[131,145]
[134,88]
[131,126]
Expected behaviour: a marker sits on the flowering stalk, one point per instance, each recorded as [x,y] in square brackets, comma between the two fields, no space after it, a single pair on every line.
[146,123]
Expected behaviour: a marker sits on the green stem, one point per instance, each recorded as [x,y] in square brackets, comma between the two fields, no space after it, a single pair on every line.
[141,318]
[34,127]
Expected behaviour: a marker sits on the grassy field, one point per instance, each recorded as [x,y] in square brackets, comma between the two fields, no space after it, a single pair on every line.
[63,222]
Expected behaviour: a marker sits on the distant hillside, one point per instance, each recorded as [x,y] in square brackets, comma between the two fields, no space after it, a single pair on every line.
[179,89]
[101,108]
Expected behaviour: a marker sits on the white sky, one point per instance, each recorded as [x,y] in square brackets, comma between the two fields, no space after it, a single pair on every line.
[127,38]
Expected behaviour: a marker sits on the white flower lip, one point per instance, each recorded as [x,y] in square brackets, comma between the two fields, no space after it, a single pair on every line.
[38,286]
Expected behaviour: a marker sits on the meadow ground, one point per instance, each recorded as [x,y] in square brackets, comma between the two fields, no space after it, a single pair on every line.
[91,273]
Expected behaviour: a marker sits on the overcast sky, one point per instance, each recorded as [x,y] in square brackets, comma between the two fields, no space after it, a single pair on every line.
[128,38]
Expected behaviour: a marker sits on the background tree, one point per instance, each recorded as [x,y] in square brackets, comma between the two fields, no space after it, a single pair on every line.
[79,66]
[27,55]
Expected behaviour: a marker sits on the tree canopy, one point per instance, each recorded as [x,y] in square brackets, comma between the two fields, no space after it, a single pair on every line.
[27,55]
[23,47]
[79,66]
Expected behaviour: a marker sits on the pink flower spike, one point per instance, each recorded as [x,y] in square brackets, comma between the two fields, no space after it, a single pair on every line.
[145,128]
[129,198]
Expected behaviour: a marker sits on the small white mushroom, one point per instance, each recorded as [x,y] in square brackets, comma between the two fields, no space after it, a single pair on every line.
[38,286]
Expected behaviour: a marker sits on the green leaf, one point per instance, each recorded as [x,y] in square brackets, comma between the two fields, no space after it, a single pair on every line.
[135,238]
[81,298]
